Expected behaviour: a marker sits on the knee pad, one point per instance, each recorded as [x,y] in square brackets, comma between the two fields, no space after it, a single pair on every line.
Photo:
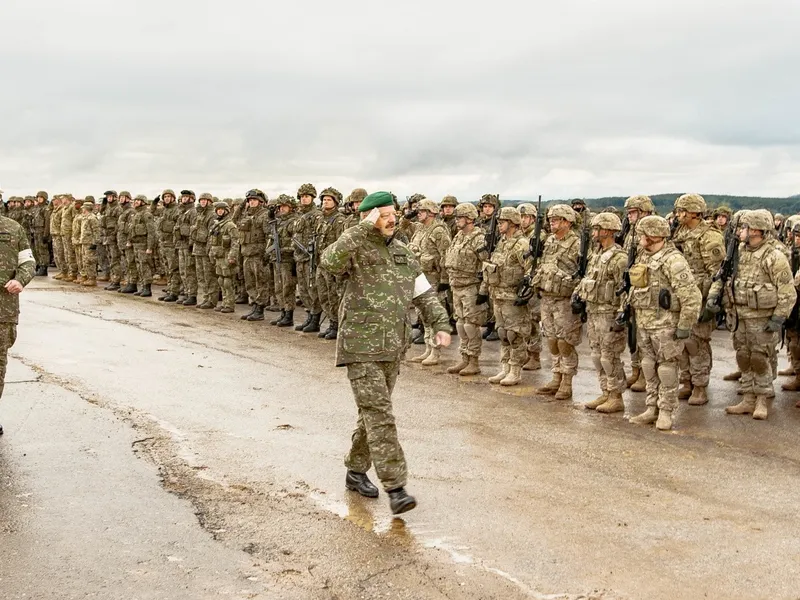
[565,348]
[502,333]
[511,336]
[462,331]
[648,366]
[668,374]
[471,331]
[552,345]
[597,362]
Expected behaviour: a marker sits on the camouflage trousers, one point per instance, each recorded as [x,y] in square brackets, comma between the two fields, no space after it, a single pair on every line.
[375,440]
[535,336]
[89,260]
[513,324]
[226,277]
[661,355]
[307,289]
[255,279]
[241,288]
[563,332]
[469,319]
[269,272]
[102,257]
[606,347]
[329,292]
[114,262]
[130,272]
[58,253]
[42,252]
[793,348]
[81,270]
[158,263]
[278,283]
[288,286]
[696,359]
[188,271]
[144,264]
[207,282]
[171,268]
[754,351]
[69,256]
[8,335]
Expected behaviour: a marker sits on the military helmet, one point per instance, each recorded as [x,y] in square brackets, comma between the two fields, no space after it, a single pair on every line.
[256,194]
[492,199]
[654,226]
[527,209]
[779,216]
[466,210]
[42,195]
[307,190]
[580,201]
[88,201]
[759,219]
[723,210]
[428,206]
[415,198]
[449,201]
[357,195]
[563,211]
[167,191]
[218,205]
[206,196]
[189,193]
[110,193]
[693,203]
[125,194]
[509,213]
[142,198]
[607,220]
[640,202]
[286,200]
[332,192]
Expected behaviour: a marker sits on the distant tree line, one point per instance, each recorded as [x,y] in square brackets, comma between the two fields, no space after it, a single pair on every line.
[665,202]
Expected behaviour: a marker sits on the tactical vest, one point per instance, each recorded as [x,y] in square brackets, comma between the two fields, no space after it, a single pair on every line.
[462,260]
[557,266]
[599,287]
[752,285]
[646,293]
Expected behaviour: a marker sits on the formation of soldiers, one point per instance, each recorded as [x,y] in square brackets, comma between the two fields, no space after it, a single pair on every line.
[510,274]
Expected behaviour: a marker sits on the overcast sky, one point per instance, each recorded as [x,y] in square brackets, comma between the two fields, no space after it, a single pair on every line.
[570,98]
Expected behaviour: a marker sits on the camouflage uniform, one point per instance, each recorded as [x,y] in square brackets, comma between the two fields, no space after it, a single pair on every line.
[464,263]
[271,264]
[207,282]
[534,303]
[661,331]
[40,226]
[109,223]
[449,221]
[253,244]
[224,251]
[80,271]
[58,245]
[170,267]
[182,234]
[89,240]
[374,334]
[303,231]
[288,269]
[330,226]
[67,217]
[141,238]
[239,209]
[128,271]
[704,250]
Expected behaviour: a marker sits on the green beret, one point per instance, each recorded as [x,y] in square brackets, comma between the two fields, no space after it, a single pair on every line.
[376,200]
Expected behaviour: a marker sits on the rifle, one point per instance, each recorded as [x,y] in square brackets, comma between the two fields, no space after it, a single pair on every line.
[673,227]
[626,227]
[276,241]
[583,257]
[525,289]
[626,316]
[312,248]
[726,272]
[492,236]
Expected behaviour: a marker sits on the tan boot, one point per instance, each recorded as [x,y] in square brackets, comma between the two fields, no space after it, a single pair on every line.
[640,384]
[789,372]
[664,422]
[650,415]
[699,396]
[69,278]
[614,404]
[565,389]
[79,279]
[685,391]
[735,376]
[104,278]
[552,386]
[456,368]
[760,412]
[421,357]
[533,364]
[601,399]
[745,407]
[634,376]
[89,282]
[433,358]
[473,368]
[793,385]
[505,370]
[58,277]
[514,376]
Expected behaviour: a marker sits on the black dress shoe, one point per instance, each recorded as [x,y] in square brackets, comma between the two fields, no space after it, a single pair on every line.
[400,501]
[359,482]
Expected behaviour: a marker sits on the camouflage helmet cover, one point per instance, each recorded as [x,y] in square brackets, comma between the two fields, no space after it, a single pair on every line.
[466,210]
[759,219]
[607,220]
[693,203]
[189,193]
[124,194]
[218,205]
[307,189]
[415,198]
[449,201]
[640,202]
[286,200]
[42,194]
[332,192]
[509,213]
[256,194]
[357,195]
[653,226]
[723,210]
[492,199]
[779,216]
[142,198]
[563,211]
[527,209]
[428,206]
[206,196]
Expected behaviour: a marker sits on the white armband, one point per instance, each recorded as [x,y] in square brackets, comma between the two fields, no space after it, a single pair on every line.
[25,256]
[421,285]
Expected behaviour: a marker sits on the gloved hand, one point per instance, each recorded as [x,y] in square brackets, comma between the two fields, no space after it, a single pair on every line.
[481,299]
[712,306]
[521,301]
[682,334]
[707,315]
[774,324]
[442,287]
[92,246]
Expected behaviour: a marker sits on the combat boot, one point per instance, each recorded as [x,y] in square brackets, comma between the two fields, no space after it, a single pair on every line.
[650,415]
[400,501]
[614,404]
[745,407]
[735,376]
[699,396]
[207,305]
[359,482]
[278,319]
[505,369]
[514,376]
[493,337]
[104,277]
[788,372]
[334,332]
[190,301]
[69,278]
[664,421]
[433,358]
[242,298]
[246,315]
[112,287]
[634,377]
[257,314]
[489,329]
[640,384]
[163,296]
[473,368]
[419,336]
[552,386]
[456,368]
[305,323]
[171,298]
[146,292]
[323,334]
[421,357]
[226,309]
[565,389]
[89,282]
[793,385]
[601,399]
[287,320]
[58,277]
[534,362]
[131,288]
[760,412]
[685,391]
[80,279]
[313,326]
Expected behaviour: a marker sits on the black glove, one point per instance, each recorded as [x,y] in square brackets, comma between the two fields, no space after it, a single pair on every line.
[774,324]
[682,334]
[481,299]
[93,247]
[707,315]
[578,305]
[410,214]
[442,287]
[521,301]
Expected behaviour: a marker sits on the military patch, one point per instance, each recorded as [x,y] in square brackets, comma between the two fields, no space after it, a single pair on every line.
[5,236]
[717,252]
[783,278]
[400,259]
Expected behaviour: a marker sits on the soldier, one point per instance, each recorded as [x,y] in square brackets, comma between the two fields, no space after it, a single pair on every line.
[383,281]
[778,221]
[704,249]
[40,227]
[528,214]
[579,206]
[667,300]
[71,206]
[89,239]
[464,264]
[55,234]
[304,229]
[447,208]
[762,297]
[330,226]
[207,282]
[109,223]
[128,272]
[288,270]
[271,264]
[429,245]
[792,328]
[351,207]
[76,241]
[253,244]
[239,212]
[166,239]
[554,283]
[599,291]
[488,206]
[722,217]
[223,249]
[182,234]
[408,224]
[17,266]
[142,240]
